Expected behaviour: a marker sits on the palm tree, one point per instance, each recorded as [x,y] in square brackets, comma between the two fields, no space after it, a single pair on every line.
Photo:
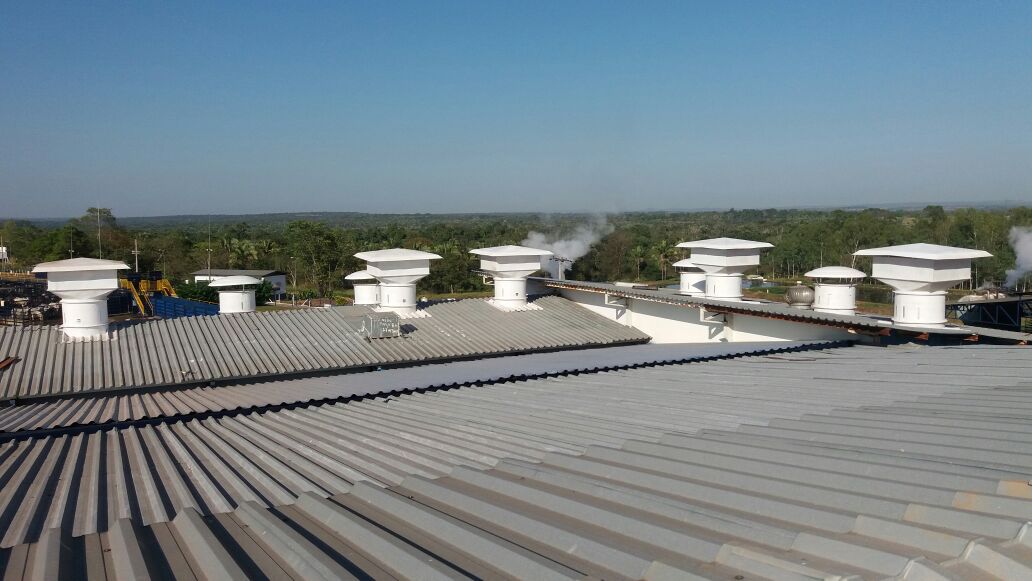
[266,247]
[638,254]
[661,250]
[241,252]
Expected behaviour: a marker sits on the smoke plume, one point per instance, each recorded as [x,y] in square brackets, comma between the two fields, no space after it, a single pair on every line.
[1021,240]
[572,246]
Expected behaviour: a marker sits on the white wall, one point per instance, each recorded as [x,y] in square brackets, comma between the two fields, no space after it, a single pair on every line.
[664,323]
[278,281]
[667,323]
[595,302]
[672,324]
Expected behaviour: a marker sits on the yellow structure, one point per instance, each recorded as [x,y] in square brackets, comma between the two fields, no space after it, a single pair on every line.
[142,290]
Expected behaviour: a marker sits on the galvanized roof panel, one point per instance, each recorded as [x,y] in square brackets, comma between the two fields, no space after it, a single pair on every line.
[196,350]
[101,408]
[778,310]
[781,466]
[235,271]
[150,471]
[234,280]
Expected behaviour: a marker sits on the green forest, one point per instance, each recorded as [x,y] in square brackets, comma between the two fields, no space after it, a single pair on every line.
[316,250]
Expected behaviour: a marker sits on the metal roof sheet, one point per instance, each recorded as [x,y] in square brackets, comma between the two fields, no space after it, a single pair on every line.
[745,306]
[777,310]
[235,280]
[848,463]
[188,402]
[193,350]
[235,271]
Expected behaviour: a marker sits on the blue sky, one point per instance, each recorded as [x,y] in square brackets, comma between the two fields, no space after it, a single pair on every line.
[176,107]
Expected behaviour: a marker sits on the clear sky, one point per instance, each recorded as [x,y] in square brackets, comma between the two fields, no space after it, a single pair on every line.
[379,106]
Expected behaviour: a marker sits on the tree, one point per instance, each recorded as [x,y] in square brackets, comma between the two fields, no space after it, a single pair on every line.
[197,291]
[70,242]
[242,253]
[316,247]
[638,255]
[110,240]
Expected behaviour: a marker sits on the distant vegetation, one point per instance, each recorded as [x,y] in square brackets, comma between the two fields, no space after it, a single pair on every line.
[316,250]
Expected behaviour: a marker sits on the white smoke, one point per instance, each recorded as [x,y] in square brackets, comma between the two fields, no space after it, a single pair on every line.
[572,246]
[1021,240]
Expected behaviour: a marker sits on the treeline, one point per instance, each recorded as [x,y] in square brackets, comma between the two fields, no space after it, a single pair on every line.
[314,254]
[803,239]
[640,246]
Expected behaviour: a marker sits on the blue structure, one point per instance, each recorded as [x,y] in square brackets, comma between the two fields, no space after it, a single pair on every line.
[174,307]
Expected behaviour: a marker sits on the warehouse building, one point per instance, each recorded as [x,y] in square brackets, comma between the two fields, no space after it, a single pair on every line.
[277,279]
[537,434]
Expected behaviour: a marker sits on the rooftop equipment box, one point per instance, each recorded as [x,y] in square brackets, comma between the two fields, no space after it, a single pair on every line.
[381,325]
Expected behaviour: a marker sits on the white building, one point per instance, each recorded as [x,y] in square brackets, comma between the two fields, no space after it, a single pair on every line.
[277,279]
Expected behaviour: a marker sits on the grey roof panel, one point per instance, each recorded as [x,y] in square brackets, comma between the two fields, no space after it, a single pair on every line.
[193,350]
[191,400]
[780,310]
[693,502]
[235,272]
[860,461]
[150,471]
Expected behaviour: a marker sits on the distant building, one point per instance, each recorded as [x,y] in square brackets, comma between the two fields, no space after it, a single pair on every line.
[276,278]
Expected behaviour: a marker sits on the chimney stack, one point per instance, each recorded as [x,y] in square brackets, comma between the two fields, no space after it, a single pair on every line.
[510,266]
[83,284]
[693,279]
[920,275]
[725,260]
[367,290]
[233,299]
[398,271]
[835,289]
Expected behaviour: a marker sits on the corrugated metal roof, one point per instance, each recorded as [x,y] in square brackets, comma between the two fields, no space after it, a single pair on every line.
[183,402]
[234,272]
[779,310]
[85,482]
[848,463]
[672,297]
[192,350]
